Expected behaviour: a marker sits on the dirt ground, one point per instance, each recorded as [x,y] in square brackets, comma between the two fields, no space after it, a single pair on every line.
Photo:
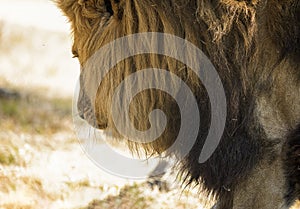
[41,162]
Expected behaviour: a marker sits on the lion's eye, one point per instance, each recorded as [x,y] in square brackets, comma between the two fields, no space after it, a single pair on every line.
[109,7]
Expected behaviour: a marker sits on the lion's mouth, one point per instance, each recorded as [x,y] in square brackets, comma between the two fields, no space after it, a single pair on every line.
[89,117]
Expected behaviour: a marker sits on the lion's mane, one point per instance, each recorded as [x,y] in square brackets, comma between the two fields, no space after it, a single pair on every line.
[252,44]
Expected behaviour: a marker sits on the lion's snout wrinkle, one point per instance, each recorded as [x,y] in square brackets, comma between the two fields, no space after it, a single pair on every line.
[87,113]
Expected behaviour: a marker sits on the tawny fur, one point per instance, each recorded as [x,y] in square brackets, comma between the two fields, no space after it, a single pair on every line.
[255,47]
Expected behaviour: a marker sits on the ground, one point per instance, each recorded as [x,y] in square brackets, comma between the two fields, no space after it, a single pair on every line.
[41,162]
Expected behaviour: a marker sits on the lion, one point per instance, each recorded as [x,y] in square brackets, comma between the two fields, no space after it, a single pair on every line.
[255,47]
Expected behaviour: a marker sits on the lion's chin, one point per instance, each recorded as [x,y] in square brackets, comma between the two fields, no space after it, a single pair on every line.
[92,121]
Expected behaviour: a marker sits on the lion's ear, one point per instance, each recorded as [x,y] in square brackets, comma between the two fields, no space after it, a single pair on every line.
[91,9]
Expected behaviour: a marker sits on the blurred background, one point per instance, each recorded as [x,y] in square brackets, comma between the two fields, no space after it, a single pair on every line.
[41,162]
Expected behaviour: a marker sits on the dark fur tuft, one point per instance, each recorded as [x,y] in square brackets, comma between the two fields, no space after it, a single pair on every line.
[292,165]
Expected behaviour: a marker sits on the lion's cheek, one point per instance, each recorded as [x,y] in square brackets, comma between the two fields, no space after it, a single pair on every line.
[140,109]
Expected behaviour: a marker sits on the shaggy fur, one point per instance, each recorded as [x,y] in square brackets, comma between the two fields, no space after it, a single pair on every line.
[255,47]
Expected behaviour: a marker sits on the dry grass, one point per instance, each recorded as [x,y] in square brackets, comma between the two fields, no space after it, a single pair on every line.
[40,119]
[33,113]
[7,184]
[16,206]
[8,155]
[78,184]
[30,123]
[141,196]
[130,197]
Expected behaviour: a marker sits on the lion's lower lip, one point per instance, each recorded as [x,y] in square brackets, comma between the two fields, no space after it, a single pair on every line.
[90,119]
